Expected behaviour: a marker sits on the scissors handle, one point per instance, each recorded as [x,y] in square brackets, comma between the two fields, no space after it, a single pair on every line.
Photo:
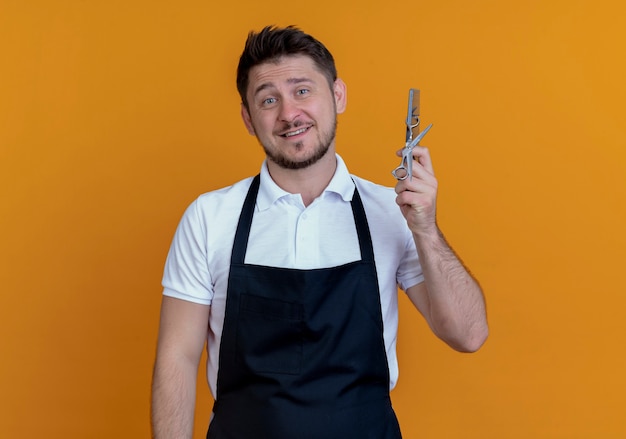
[405,170]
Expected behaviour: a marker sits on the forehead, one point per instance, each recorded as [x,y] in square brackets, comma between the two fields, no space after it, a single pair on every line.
[283,70]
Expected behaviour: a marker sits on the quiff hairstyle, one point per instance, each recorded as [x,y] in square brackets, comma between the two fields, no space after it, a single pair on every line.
[273,43]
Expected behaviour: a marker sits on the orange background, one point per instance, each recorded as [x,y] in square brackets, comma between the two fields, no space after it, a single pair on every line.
[115,115]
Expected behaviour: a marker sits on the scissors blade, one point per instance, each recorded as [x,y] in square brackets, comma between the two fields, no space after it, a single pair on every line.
[419,137]
[414,104]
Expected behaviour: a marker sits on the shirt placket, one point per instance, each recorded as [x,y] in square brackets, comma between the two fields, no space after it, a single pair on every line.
[307,238]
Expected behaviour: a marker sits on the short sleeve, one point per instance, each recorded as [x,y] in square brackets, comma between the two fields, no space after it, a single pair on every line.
[409,271]
[186,275]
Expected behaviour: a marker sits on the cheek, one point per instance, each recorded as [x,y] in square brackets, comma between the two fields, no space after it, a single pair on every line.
[261,126]
[330,114]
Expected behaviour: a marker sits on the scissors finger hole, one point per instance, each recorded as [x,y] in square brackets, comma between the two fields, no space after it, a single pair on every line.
[400,173]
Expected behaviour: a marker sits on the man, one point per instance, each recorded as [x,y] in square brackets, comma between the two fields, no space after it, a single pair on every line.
[291,277]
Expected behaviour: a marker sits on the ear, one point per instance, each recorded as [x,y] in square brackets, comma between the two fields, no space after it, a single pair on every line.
[340,91]
[247,120]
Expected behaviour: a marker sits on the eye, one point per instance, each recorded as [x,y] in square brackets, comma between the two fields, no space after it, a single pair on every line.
[302,91]
[268,101]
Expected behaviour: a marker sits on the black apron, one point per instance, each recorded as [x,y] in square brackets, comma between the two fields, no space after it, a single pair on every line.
[302,354]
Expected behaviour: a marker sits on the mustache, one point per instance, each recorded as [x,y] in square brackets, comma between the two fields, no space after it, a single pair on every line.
[291,125]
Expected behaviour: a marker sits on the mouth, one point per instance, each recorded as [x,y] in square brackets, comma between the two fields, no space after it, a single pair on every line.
[294,133]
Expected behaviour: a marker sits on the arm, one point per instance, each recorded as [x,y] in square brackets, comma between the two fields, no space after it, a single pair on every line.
[450,299]
[182,335]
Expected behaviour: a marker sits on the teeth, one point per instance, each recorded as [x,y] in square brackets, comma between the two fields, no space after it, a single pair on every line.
[295,133]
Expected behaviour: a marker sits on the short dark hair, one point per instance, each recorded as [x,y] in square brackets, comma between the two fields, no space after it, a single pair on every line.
[273,43]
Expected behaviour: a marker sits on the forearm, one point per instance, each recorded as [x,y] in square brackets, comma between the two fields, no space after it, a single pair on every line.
[173,399]
[456,305]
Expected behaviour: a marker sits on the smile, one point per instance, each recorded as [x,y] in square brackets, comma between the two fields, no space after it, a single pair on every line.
[295,133]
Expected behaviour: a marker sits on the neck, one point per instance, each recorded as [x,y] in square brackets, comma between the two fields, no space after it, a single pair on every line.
[309,182]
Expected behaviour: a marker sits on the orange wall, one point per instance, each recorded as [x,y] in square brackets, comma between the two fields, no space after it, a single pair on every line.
[115,115]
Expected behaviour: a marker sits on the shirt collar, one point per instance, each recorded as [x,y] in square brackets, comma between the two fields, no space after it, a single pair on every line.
[269,192]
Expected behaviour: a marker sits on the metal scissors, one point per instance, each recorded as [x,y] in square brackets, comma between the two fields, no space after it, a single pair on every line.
[405,170]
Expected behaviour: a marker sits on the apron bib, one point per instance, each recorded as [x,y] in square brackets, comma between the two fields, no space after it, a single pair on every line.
[302,354]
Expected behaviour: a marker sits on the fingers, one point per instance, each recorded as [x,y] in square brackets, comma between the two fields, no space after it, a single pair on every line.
[421,154]
[423,180]
[422,204]
[417,196]
[417,185]
[421,190]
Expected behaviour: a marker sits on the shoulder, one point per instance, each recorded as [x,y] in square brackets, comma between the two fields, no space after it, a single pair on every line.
[215,210]
[376,195]
[222,201]
[381,208]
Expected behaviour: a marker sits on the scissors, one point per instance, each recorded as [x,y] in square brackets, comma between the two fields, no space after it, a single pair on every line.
[405,170]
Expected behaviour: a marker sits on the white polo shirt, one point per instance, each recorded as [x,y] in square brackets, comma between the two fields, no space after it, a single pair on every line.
[285,233]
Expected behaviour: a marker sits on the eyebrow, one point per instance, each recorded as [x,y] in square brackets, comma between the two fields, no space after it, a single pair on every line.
[267,85]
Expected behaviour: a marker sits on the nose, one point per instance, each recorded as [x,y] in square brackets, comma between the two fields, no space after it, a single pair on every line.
[289,110]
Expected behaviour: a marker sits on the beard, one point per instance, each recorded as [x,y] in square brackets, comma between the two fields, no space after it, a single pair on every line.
[325,140]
